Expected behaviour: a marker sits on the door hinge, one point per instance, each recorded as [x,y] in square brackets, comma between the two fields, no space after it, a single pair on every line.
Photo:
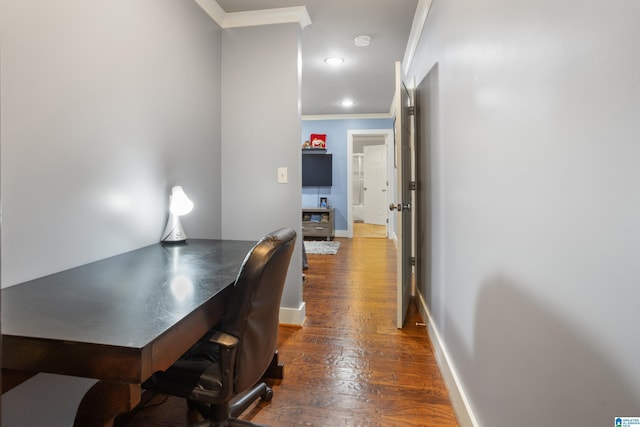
[412,261]
[412,185]
[411,111]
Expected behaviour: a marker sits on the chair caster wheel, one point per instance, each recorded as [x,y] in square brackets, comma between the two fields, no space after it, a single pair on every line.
[268,395]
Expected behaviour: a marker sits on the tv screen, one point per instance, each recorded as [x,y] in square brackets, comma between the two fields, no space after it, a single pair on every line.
[317,170]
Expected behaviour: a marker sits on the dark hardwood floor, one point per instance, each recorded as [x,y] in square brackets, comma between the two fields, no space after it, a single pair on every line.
[349,365]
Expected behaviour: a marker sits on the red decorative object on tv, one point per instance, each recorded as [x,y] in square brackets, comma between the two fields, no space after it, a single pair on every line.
[318,140]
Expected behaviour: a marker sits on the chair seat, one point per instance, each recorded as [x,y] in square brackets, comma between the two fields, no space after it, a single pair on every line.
[196,375]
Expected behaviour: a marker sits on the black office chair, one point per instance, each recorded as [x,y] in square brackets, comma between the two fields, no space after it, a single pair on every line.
[226,366]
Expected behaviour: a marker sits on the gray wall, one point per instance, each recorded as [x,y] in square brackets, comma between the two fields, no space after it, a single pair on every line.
[535,208]
[260,133]
[105,106]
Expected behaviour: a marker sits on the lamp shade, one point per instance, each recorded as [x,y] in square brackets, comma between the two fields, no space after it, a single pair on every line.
[179,204]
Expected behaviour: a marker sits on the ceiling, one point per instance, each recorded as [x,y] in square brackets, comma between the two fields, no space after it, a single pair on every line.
[367,75]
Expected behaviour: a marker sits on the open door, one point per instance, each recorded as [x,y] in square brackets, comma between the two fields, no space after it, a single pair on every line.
[404,174]
[375,185]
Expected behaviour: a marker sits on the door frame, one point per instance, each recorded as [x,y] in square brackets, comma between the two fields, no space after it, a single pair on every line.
[388,135]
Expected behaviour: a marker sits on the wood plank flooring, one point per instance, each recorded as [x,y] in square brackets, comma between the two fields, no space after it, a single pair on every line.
[349,365]
[361,229]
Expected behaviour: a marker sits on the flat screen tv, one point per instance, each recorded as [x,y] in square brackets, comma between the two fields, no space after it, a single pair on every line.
[317,170]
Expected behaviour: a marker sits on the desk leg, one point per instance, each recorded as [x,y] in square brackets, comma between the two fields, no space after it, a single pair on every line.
[104,402]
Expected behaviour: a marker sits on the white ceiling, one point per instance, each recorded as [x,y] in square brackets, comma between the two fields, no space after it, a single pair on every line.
[368,73]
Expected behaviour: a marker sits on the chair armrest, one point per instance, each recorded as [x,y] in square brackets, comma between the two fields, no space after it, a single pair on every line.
[227,349]
[223,340]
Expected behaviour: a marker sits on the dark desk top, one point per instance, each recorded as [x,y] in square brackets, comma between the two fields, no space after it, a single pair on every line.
[126,301]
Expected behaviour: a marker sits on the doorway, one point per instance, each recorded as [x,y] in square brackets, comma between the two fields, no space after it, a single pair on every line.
[368,194]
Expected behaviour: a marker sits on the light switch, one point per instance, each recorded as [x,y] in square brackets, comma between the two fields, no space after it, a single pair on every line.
[282,176]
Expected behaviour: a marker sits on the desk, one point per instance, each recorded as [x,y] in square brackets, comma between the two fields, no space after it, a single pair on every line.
[119,319]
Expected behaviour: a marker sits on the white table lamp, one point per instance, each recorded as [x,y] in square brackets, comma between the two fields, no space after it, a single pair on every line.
[179,204]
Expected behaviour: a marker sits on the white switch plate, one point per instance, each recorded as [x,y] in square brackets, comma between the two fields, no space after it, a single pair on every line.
[282,176]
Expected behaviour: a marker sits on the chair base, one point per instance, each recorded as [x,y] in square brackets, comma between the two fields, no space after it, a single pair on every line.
[236,407]
[231,422]
[242,401]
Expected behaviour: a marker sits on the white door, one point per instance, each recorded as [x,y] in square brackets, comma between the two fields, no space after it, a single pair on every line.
[375,184]
[404,174]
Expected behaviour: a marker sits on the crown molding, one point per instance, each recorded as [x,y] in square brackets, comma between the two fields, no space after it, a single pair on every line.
[283,15]
[419,21]
[213,9]
[347,116]
[252,18]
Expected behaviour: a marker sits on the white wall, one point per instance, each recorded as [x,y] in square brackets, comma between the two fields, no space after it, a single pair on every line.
[104,106]
[260,133]
[535,205]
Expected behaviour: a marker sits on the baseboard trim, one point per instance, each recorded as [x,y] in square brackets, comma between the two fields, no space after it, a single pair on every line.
[459,400]
[341,233]
[293,316]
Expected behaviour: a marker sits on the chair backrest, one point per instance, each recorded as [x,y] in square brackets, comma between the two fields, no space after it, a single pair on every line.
[253,309]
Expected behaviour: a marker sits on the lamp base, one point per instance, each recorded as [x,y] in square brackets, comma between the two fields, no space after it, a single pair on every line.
[173,232]
[173,242]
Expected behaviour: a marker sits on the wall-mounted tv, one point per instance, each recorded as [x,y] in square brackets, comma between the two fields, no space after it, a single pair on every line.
[317,170]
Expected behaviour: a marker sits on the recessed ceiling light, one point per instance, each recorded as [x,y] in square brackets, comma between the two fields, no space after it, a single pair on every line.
[347,103]
[362,41]
[334,60]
